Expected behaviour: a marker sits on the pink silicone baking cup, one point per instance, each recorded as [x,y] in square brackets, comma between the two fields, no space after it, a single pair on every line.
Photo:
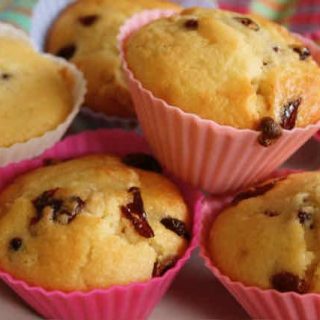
[134,301]
[213,157]
[259,303]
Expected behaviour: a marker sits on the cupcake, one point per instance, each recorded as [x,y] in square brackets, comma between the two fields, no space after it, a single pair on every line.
[85,34]
[233,91]
[39,97]
[124,228]
[271,231]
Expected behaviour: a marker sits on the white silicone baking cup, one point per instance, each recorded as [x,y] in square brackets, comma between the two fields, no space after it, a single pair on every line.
[35,146]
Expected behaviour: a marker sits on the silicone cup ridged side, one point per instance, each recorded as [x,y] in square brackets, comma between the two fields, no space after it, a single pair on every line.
[35,146]
[134,301]
[215,158]
[259,303]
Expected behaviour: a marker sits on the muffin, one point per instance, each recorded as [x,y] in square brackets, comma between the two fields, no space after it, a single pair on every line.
[236,70]
[92,222]
[35,92]
[222,133]
[272,233]
[85,33]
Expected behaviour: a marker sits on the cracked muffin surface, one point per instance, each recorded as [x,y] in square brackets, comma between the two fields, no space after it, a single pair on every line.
[91,222]
[227,67]
[272,232]
[86,34]
[35,92]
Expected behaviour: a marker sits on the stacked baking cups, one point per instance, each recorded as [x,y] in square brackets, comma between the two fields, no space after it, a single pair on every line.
[199,152]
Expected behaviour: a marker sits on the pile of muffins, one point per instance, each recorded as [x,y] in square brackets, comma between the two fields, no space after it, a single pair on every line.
[96,224]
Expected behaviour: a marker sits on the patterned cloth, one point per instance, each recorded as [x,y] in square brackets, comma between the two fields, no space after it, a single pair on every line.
[17,12]
[301,16]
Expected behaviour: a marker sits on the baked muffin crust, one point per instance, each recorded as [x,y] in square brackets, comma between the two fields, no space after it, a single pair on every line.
[269,236]
[85,33]
[91,222]
[227,67]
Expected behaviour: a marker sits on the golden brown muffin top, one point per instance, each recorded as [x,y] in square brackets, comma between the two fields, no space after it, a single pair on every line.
[86,34]
[227,67]
[269,237]
[91,222]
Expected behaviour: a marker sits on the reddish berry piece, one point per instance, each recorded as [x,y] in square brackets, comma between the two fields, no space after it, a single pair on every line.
[15,244]
[270,131]
[289,115]
[176,226]
[303,52]
[159,269]
[88,20]
[286,281]
[135,212]
[191,24]
[248,23]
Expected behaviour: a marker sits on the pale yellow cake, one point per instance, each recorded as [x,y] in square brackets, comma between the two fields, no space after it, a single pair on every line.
[269,237]
[91,222]
[35,93]
[227,67]
[86,34]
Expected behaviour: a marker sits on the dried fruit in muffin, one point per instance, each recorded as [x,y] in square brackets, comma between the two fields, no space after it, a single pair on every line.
[91,223]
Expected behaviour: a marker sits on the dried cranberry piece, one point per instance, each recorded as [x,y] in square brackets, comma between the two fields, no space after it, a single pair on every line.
[270,131]
[70,209]
[5,76]
[271,213]
[176,226]
[303,52]
[88,20]
[15,244]
[135,212]
[46,199]
[159,269]
[142,161]
[50,162]
[63,211]
[248,23]
[304,216]
[67,52]
[255,191]
[191,24]
[289,115]
[286,281]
